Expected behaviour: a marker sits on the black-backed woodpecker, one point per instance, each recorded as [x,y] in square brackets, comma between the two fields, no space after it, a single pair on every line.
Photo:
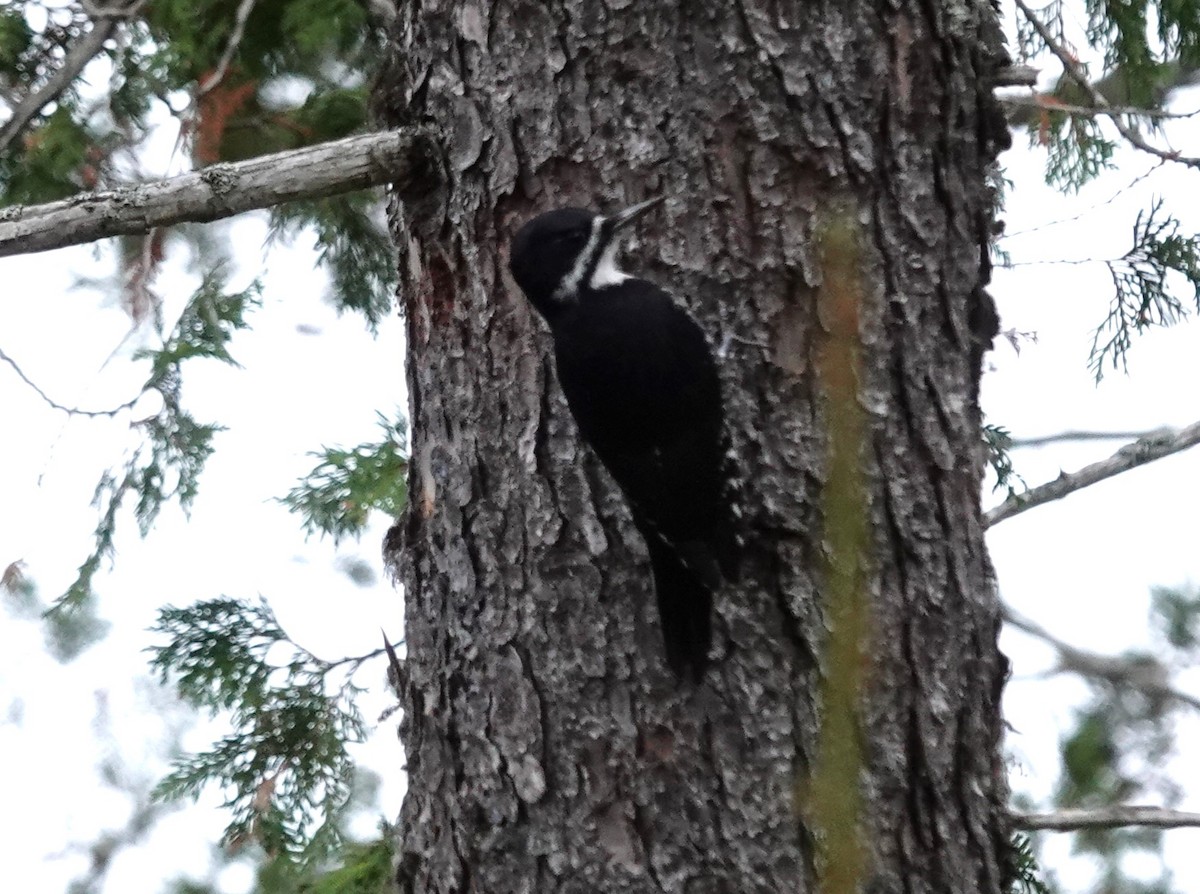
[642,384]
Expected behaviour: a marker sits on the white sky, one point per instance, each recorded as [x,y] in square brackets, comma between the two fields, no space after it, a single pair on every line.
[1082,567]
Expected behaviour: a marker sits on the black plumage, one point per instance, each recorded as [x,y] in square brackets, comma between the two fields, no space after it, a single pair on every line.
[642,384]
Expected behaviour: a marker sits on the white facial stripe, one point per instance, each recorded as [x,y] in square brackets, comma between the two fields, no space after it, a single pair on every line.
[570,284]
[607,273]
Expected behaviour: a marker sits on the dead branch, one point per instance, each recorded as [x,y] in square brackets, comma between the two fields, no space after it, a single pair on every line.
[1147,675]
[1066,437]
[1138,453]
[1106,818]
[1087,212]
[70,411]
[1045,103]
[1015,76]
[403,157]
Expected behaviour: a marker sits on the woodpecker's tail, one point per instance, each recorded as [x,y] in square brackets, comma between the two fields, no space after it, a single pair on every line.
[685,598]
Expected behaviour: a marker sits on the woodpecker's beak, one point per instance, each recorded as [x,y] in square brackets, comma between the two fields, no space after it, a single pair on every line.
[622,219]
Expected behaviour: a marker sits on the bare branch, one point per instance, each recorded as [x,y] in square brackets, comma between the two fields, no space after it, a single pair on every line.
[73,411]
[1015,76]
[1138,453]
[1075,71]
[1147,675]
[1069,436]
[235,39]
[1107,818]
[1050,104]
[1157,166]
[403,157]
[1046,262]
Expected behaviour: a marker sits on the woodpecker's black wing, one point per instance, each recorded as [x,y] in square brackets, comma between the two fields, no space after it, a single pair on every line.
[641,382]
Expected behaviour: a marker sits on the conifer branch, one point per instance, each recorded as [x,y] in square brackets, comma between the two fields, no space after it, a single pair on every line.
[1075,71]
[218,191]
[1138,453]
[78,56]
[1073,820]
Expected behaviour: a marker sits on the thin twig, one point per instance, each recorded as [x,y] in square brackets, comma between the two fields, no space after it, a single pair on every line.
[1107,818]
[1074,70]
[1069,436]
[405,158]
[355,661]
[1138,453]
[395,673]
[1157,166]
[1147,675]
[1049,104]
[235,39]
[73,411]
[1064,261]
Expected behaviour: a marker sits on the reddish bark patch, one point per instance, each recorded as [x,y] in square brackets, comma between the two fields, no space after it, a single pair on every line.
[442,293]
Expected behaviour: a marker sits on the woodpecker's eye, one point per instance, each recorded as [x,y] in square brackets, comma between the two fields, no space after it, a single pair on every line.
[568,237]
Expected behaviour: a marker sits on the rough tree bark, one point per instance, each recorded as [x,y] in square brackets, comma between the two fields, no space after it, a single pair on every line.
[827,166]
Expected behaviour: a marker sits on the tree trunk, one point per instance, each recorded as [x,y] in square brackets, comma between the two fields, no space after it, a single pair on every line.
[828,220]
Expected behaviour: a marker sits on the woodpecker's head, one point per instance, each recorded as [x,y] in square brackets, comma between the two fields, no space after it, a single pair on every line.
[560,253]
